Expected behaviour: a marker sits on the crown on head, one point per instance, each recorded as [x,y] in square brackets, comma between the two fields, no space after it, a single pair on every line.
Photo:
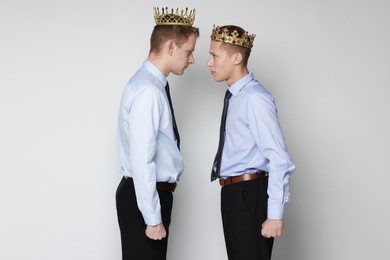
[174,18]
[245,40]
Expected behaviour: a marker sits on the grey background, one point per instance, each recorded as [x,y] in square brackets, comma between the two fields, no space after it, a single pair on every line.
[63,66]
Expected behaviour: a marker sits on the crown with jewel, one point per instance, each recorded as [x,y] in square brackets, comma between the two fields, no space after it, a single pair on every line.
[184,17]
[223,35]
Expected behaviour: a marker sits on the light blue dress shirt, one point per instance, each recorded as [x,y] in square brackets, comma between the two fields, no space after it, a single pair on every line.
[254,141]
[147,148]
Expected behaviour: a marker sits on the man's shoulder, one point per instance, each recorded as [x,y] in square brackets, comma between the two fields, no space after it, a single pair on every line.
[142,86]
[142,77]
[256,90]
[143,80]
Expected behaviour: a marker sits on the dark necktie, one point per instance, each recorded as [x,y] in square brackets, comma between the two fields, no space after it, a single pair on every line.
[175,131]
[218,157]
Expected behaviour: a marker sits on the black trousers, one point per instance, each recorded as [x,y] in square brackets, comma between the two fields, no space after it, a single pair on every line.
[244,209]
[135,244]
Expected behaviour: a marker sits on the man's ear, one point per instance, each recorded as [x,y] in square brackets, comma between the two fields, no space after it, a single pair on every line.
[170,46]
[237,58]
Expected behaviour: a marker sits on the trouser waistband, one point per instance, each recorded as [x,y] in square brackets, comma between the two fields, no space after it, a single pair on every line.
[161,186]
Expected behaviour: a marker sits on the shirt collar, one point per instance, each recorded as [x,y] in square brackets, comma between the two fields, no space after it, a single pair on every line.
[238,85]
[155,72]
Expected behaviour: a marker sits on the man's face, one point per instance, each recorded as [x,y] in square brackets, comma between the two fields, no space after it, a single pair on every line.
[183,56]
[220,62]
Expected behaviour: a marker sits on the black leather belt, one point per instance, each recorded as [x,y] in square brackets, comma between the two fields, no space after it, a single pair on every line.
[162,186]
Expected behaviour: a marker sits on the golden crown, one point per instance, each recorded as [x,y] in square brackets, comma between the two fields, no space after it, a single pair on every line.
[174,18]
[246,40]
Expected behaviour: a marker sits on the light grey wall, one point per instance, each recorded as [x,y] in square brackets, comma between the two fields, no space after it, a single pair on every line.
[63,65]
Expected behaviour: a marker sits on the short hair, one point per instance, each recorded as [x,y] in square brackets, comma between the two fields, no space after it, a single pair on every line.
[163,33]
[231,48]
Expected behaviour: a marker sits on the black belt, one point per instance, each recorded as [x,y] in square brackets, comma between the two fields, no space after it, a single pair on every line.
[161,186]
[241,178]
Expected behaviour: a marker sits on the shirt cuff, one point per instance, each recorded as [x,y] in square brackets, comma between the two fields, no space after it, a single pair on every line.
[152,219]
[275,211]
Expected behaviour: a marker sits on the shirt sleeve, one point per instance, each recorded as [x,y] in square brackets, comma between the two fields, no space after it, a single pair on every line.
[266,131]
[144,120]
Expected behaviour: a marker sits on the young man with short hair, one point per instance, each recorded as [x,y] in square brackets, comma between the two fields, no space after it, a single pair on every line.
[252,163]
[149,141]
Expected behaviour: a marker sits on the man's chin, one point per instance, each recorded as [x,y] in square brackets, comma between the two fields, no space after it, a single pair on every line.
[178,73]
[218,79]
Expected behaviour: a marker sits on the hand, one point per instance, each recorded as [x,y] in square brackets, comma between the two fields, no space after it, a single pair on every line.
[272,228]
[156,232]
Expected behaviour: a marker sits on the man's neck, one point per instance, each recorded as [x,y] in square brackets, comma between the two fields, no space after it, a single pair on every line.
[238,74]
[158,61]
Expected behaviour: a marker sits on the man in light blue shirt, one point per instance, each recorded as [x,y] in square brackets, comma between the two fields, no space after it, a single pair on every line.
[252,162]
[148,139]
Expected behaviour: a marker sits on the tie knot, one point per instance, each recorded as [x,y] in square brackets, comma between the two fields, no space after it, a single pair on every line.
[228,94]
